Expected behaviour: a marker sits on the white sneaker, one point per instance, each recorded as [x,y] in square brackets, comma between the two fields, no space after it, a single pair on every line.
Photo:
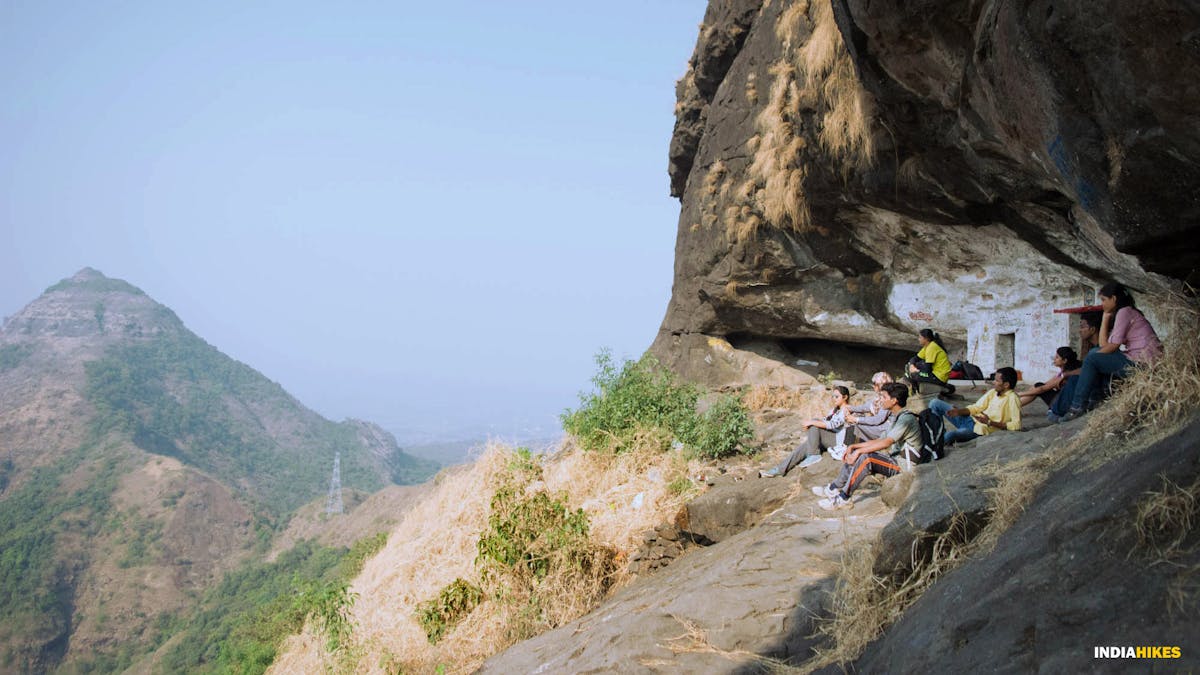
[809,461]
[824,491]
[834,503]
[837,452]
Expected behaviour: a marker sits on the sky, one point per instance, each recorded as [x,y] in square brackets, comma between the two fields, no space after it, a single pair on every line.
[427,215]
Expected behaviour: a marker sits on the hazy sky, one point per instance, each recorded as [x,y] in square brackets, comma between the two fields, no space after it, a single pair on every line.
[429,215]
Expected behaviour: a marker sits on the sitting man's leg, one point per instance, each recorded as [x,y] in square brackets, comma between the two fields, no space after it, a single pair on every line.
[964,427]
[1095,364]
[875,462]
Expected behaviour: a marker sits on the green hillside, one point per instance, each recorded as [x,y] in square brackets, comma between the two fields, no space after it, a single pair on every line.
[140,467]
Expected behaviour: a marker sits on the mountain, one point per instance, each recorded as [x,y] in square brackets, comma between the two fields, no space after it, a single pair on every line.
[138,464]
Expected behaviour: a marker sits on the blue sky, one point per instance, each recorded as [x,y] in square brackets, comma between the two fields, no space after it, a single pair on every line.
[429,215]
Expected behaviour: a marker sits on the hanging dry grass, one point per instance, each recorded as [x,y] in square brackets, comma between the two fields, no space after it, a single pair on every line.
[815,75]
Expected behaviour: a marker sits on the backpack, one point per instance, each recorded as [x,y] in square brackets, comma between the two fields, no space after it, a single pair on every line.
[972,371]
[933,429]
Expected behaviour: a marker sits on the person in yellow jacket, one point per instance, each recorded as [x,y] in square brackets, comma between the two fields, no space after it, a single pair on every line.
[930,365]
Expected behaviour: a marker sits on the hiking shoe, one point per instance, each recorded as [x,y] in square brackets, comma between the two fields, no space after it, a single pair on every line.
[768,473]
[837,452]
[835,502]
[824,491]
[809,461]
[948,390]
[1073,413]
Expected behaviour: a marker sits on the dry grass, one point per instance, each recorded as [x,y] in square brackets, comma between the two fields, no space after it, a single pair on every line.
[815,75]
[865,603]
[1165,517]
[436,543]
[694,640]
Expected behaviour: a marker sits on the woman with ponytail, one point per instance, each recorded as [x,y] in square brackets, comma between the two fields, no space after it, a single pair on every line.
[1123,325]
[930,365]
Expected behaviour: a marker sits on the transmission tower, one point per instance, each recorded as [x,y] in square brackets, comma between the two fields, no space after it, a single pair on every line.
[334,504]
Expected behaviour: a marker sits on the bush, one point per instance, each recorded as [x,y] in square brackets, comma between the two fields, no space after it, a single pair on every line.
[441,614]
[720,430]
[642,395]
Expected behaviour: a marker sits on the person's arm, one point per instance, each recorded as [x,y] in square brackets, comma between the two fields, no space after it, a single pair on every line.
[871,420]
[1012,413]
[1049,385]
[820,424]
[857,450]
[1110,340]
[978,407]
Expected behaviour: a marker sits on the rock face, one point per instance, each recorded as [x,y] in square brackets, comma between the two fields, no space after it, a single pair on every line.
[852,171]
[1069,575]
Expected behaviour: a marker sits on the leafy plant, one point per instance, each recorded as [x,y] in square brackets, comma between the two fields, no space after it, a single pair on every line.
[329,604]
[441,614]
[524,530]
[722,429]
[641,395]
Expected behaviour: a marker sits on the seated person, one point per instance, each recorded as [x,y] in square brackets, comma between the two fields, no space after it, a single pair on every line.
[931,365]
[1058,390]
[1123,325]
[1089,338]
[997,410]
[871,420]
[868,457]
[822,435]
[1089,331]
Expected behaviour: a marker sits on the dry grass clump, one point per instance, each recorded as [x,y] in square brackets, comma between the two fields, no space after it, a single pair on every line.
[865,603]
[764,397]
[804,402]
[607,486]
[1165,517]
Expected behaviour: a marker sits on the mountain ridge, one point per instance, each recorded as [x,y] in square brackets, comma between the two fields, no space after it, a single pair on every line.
[138,464]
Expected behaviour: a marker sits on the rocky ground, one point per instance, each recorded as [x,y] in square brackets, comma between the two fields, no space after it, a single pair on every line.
[757,588]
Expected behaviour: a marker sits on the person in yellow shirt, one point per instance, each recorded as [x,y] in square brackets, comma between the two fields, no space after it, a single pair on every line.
[931,365]
[997,410]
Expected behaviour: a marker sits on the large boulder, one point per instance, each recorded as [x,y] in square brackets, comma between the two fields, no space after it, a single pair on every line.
[852,171]
[1073,573]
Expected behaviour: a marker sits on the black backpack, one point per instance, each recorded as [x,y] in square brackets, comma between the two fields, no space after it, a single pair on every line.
[933,430]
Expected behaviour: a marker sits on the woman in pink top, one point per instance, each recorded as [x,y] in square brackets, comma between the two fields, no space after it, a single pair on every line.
[1123,325]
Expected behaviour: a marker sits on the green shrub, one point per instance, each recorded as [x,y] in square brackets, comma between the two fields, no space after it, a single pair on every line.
[722,429]
[329,605]
[524,530]
[441,614]
[641,395]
